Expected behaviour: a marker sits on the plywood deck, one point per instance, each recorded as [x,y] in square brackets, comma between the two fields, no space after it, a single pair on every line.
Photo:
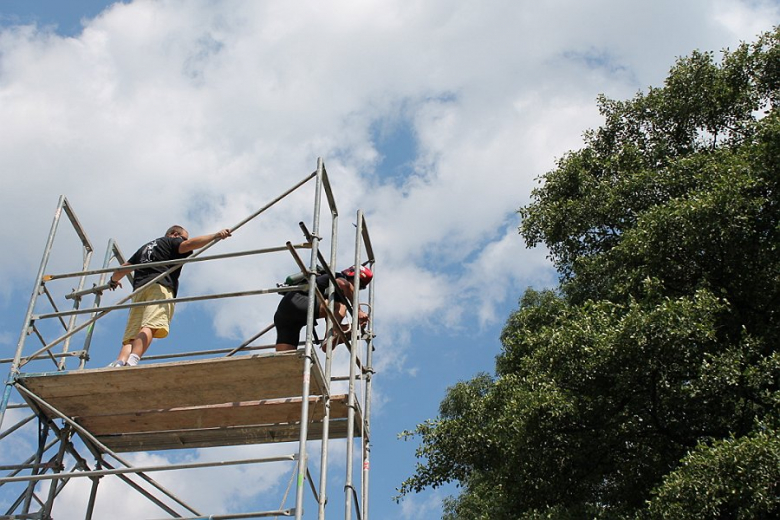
[213,402]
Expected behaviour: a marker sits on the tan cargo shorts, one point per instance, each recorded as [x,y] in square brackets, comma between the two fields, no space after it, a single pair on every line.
[156,317]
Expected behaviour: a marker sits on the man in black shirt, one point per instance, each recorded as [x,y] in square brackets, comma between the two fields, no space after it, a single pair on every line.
[290,316]
[153,321]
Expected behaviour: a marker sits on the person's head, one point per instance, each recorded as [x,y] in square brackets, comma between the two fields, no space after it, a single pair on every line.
[365,275]
[177,231]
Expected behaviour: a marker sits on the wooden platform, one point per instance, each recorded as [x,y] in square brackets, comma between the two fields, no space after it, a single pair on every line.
[189,404]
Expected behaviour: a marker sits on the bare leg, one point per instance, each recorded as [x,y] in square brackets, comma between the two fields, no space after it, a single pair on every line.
[125,352]
[284,347]
[141,342]
[136,347]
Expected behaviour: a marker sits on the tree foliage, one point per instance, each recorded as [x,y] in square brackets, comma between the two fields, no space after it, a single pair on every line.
[646,386]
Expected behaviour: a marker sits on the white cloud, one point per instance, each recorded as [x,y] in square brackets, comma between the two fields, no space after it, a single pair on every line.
[188,112]
[420,508]
[747,17]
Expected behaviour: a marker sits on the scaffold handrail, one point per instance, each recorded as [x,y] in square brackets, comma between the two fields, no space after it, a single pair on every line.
[178,299]
[181,261]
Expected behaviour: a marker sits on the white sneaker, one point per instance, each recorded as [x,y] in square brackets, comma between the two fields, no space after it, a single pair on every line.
[117,363]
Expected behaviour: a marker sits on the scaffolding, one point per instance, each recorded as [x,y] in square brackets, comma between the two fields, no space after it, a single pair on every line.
[244,395]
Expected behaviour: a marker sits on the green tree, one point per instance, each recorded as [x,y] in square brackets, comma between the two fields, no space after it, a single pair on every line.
[647,385]
[732,478]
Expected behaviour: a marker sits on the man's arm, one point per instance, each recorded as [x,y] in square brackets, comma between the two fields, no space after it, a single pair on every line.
[349,290]
[116,276]
[346,288]
[191,244]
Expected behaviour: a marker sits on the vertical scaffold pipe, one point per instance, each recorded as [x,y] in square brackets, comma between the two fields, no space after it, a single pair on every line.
[323,495]
[87,250]
[349,489]
[308,350]
[76,305]
[112,251]
[367,399]
[57,463]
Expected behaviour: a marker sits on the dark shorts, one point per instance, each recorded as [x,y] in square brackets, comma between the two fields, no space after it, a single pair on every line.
[290,318]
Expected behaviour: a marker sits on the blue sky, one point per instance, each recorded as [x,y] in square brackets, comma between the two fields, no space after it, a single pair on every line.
[65,16]
[434,118]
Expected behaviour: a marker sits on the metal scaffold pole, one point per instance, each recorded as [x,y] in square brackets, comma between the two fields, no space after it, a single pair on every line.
[349,486]
[323,497]
[308,347]
[369,372]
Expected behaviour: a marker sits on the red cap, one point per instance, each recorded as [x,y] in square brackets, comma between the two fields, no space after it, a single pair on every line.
[365,275]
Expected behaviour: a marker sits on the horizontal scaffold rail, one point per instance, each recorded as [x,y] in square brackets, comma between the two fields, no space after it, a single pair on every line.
[146,265]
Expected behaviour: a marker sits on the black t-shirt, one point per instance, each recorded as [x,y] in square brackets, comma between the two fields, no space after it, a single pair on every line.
[322,284]
[158,250]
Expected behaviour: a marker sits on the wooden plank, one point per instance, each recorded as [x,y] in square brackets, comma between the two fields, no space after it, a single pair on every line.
[186,404]
[174,385]
[213,416]
[220,437]
[164,376]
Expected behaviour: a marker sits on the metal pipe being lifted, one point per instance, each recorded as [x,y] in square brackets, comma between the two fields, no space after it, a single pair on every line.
[40,280]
